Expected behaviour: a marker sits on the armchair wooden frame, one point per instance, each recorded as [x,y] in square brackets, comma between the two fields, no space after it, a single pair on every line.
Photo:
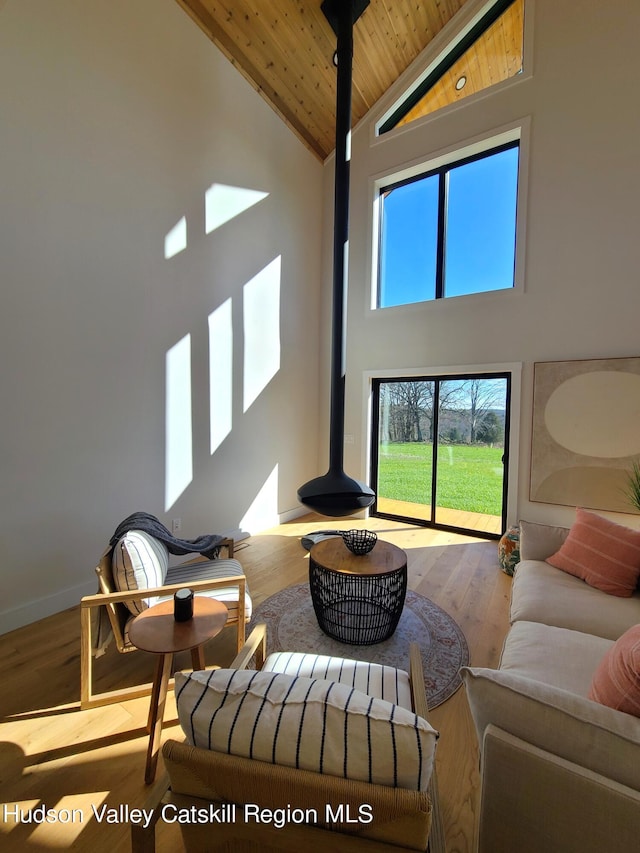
[114,603]
[201,779]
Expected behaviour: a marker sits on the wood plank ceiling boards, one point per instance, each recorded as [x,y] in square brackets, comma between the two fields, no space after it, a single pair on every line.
[284,48]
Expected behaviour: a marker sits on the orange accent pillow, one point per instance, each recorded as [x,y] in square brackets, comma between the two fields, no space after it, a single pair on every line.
[604,554]
[616,682]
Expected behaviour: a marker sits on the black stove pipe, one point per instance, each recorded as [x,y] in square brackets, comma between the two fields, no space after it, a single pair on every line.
[335,493]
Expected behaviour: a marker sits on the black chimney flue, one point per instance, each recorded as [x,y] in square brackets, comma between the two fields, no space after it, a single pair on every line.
[335,493]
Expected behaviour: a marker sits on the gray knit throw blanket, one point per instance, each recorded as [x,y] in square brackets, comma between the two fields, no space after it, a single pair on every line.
[208,546]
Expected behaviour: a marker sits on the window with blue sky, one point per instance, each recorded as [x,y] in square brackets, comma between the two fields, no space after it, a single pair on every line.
[451,231]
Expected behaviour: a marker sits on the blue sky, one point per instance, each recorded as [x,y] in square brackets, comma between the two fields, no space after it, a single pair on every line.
[480,232]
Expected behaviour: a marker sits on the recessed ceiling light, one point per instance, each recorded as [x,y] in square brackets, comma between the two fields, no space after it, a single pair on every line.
[461,83]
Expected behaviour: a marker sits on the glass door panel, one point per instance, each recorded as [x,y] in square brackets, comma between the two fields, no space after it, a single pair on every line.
[470,469]
[405,448]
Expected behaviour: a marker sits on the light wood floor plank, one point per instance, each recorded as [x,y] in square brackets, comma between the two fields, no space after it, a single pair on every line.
[53,754]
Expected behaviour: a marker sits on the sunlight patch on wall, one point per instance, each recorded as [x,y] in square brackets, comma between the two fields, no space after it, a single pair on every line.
[176,240]
[223,203]
[261,319]
[263,512]
[220,374]
[178,437]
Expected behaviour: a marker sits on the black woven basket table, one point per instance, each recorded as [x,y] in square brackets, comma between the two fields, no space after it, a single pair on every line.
[358,599]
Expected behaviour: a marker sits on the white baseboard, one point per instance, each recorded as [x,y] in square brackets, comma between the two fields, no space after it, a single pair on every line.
[282,517]
[292,514]
[40,608]
[32,611]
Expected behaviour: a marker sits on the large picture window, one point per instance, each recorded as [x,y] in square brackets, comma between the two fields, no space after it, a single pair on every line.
[450,231]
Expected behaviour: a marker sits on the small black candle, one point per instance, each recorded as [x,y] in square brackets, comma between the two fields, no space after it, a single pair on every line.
[183,605]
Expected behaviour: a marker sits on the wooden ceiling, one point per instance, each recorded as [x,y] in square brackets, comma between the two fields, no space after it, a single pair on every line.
[285,48]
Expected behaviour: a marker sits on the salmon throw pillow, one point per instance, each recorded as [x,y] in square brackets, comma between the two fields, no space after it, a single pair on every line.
[616,682]
[604,554]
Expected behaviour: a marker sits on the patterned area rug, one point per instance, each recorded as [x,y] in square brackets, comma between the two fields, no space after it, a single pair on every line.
[292,626]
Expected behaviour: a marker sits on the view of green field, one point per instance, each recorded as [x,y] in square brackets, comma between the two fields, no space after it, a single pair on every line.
[469,476]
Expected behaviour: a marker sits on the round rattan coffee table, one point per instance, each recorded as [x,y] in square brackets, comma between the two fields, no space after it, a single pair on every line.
[357,599]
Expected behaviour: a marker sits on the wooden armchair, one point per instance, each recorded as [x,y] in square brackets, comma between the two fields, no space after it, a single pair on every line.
[107,611]
[200,781]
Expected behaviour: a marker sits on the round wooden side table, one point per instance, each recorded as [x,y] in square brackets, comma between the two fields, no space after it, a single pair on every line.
[155,630]
[357,599]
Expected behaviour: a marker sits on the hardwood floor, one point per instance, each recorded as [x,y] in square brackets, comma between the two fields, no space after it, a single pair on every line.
[472,521]
[55,756]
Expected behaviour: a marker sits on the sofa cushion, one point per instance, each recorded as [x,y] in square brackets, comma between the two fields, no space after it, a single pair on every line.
[569,726]
[616,681]
[139,562]
[555,656]
[604,554]
[311,724]
[539,541]
[202,570]
[542,593]
[374,679]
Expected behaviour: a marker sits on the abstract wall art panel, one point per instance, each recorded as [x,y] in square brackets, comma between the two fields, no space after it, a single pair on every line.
[586,432]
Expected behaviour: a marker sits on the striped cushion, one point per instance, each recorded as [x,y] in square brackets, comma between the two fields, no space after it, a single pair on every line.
[187,573]
[139,562]
[311,724]
[604,554]
[374,679]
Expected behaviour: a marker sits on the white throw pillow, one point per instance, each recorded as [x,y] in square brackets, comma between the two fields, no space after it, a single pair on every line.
[374,679]
[310,724]
[139,562]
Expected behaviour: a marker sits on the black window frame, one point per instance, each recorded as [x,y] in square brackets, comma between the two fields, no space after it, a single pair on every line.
[441,173]
[438,379]
[456,52]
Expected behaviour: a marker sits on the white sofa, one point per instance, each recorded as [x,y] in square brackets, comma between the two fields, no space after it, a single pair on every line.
[559,773]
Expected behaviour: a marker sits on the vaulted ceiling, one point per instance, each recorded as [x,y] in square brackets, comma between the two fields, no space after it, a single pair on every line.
[285,50]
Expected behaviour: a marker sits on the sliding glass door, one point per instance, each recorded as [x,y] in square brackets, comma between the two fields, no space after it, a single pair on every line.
[439,450]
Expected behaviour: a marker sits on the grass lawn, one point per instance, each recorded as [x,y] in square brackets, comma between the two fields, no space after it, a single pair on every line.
[469,476]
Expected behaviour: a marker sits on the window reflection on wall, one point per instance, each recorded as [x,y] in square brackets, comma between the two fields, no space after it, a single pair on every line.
[261,319]
[178,440]
[220,374]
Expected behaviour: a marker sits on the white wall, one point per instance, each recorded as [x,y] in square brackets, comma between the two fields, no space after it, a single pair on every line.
[115,118]
[582,294]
